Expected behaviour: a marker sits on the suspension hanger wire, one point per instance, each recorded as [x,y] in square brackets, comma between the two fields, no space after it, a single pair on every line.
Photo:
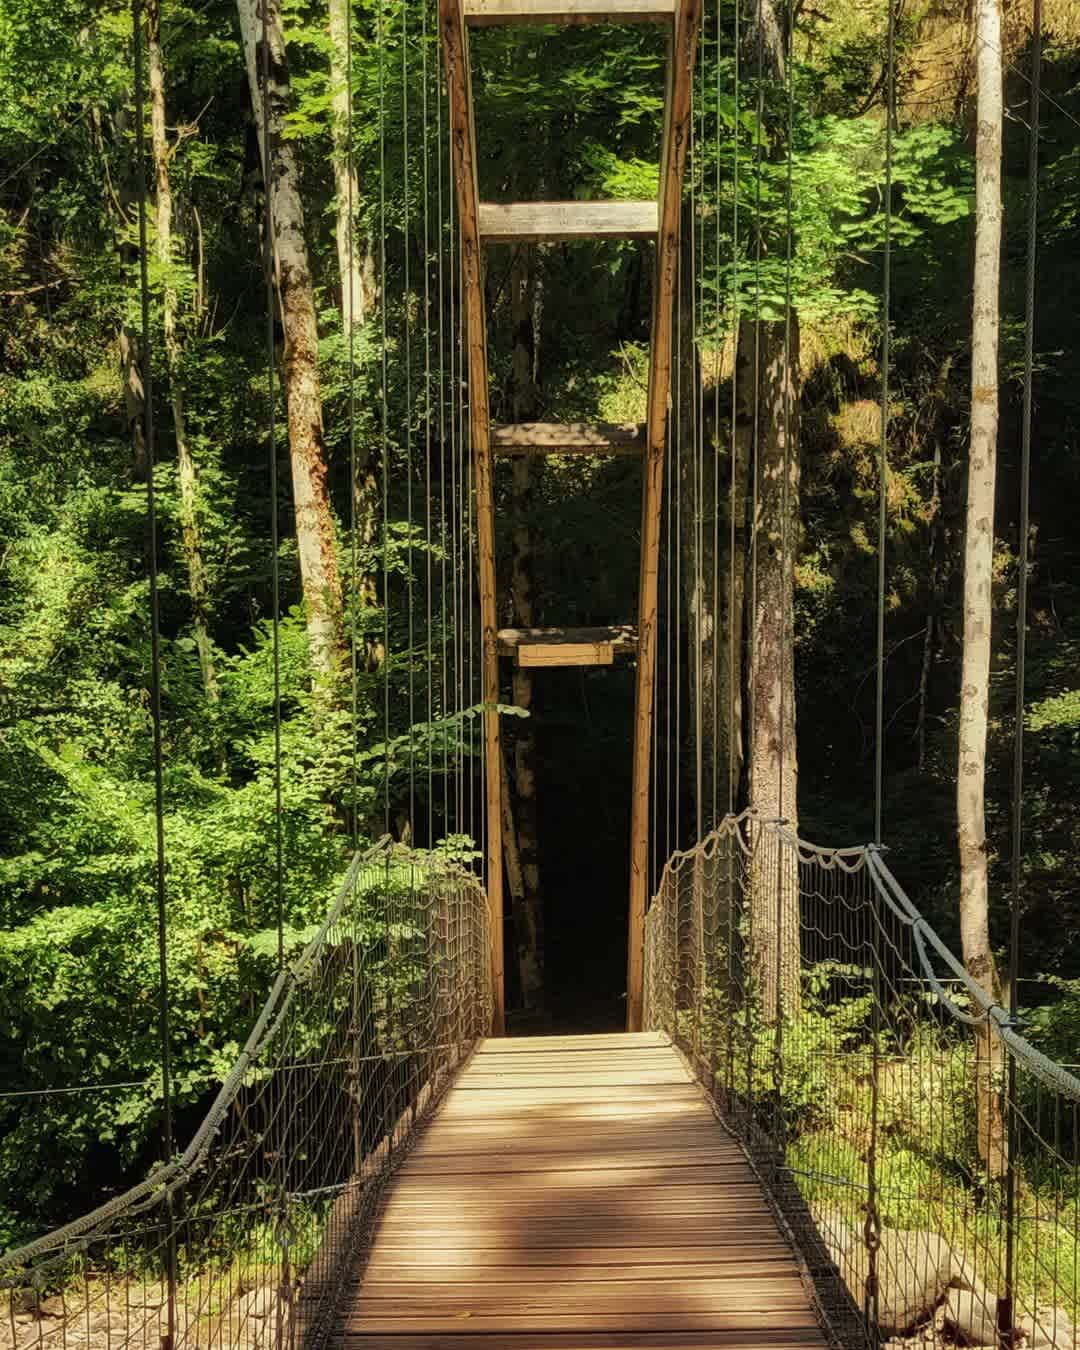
[883,450]
[149,431]
[442,150]
[1024,525]
[697,443]
[263,77]
[787,599]
[429,577]
[406,324]
[350,175]
[734,624]
[755,435]
[380,42]
[1023,578]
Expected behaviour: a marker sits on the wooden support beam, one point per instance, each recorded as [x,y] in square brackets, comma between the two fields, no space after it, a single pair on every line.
[569,438]
[548,654]
[683,50]
[481,13]
[619,641]
[463,150]
[548,222]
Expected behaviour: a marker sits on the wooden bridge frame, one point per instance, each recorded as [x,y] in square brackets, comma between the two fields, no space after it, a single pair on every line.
[542,222]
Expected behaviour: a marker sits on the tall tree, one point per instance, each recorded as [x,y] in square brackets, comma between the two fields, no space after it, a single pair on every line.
[771,659]
[978,567]
[315,533]
[359,296]
[770,363]
[187,472]
[356,267]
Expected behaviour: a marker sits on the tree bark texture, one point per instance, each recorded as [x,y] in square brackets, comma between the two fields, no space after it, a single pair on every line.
[186,470]
[315,534]
[356,267]
[131,381]
[978,571]
[771,673]
[529,919]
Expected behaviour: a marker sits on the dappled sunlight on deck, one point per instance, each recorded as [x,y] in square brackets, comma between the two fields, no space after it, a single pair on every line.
[578,1192]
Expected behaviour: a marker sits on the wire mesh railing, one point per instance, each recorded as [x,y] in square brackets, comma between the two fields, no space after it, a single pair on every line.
[921,1152]
[247,1238]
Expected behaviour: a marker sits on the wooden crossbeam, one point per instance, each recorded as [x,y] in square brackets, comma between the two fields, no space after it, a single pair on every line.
[539,648]
[550,222]
[482,13]
[540,655]
[568,438]
[677,128]
[463,150]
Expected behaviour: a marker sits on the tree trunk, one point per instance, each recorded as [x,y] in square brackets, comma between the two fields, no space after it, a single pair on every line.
[359,297]
[771,674]
[978,573]
[307,448]
[131,381]
[356,266]
[187,474]
[529,923]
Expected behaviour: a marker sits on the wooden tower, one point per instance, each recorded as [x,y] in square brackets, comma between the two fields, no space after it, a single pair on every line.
[542,222]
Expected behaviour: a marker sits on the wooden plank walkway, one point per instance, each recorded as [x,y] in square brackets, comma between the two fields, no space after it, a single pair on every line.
[577,1193]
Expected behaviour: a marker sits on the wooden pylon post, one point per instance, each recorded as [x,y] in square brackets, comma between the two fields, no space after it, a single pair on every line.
[676,141]
[463,149]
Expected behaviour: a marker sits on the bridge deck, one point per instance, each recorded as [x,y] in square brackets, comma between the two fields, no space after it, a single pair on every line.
[574,1193]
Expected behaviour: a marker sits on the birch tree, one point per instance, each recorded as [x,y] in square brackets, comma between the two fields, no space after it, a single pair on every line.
[359,295]
[355,265]
[978,568]
[315,533]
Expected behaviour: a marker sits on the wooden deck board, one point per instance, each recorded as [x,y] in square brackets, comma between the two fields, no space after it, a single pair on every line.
[576,1193]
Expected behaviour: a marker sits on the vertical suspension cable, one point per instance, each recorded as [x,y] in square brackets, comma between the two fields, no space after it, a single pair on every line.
[755,434]
[350,173]
[883,451]
[263,76]
[406,322]
[755,455]
[164,1021]
[697,240]
[444,543]
[787,599]
[1023,569]
[429,662]
[380,42]
[734,620]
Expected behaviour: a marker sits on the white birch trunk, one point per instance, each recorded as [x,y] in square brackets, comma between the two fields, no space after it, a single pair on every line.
[355,264]
[979,563]
[315,534]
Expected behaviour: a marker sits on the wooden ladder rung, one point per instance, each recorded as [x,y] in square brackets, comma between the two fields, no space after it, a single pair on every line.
[539,647]
[568,438]
[546,222]
[483,13]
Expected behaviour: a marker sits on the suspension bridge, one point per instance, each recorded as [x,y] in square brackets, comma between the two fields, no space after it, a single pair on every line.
[817,1129]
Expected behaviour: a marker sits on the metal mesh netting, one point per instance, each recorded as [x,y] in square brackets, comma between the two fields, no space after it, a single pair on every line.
[922,1153]
[246,1239]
